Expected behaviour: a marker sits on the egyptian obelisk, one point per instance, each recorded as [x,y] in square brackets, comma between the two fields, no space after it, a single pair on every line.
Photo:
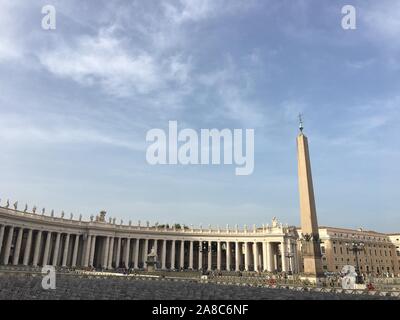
[311,250]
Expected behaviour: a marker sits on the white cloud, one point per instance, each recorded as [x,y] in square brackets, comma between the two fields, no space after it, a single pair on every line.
[10,47]
[16,131]
[194,11]
[103,59]
[383,19]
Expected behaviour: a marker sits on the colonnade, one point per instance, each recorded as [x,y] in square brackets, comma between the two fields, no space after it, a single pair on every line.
[28,246]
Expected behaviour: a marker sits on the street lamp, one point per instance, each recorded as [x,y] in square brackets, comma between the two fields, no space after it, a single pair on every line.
[204,249]
[289,256]
[356,247]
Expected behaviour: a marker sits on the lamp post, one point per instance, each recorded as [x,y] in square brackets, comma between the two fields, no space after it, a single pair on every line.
[289,256]
[204,249]
[356,247]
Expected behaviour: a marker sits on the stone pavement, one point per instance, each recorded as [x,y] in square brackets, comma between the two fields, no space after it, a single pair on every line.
[116,288]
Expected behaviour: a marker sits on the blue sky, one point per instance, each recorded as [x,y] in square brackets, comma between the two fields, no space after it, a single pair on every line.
[76,103]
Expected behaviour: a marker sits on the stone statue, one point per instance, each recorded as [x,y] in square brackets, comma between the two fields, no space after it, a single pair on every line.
[139,223]
[15,205]
[130,222]
[122,222]
[91,218]
[43,211]
[152,252]
[34,209]
[102,217]
[71,216]
[52,213]
[26,207]
[147,224]
[8,203]
[80,217]
[62,214]
[274,222]
[109,220]
[151,260]
[114,220]
[307,237]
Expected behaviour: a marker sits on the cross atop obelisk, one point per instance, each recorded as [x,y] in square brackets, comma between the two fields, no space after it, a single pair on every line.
[309,224]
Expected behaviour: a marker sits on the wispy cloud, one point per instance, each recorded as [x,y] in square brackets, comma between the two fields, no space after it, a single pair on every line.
[104,60]
[19,131]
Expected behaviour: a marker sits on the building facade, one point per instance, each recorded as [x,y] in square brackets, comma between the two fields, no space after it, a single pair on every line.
[31,239]
[395,239]
[379,255]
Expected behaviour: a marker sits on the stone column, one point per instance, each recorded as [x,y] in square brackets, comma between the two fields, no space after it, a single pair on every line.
[219,255]
[118,256]
[255,256]
[111,254]
[209,262]
[264,254]
[270,257]
[2,227]
[191,255]
[228,256]
[200,264]
[145,252]
[283,256]
[182,255]
[28,248]
[106,248]
[137,253]
[92,251]
[17,248]
[75,253]
[8,245]
[237,256]
[127,249]
[37,249]
[173,255]
[155,246]
[56,249]
[47,249]
[87,251]
[247,257]
[66,248]
[164,255]
[132,257]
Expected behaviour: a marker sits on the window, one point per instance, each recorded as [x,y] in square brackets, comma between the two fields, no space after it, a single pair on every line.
[341,250]
[334,250]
